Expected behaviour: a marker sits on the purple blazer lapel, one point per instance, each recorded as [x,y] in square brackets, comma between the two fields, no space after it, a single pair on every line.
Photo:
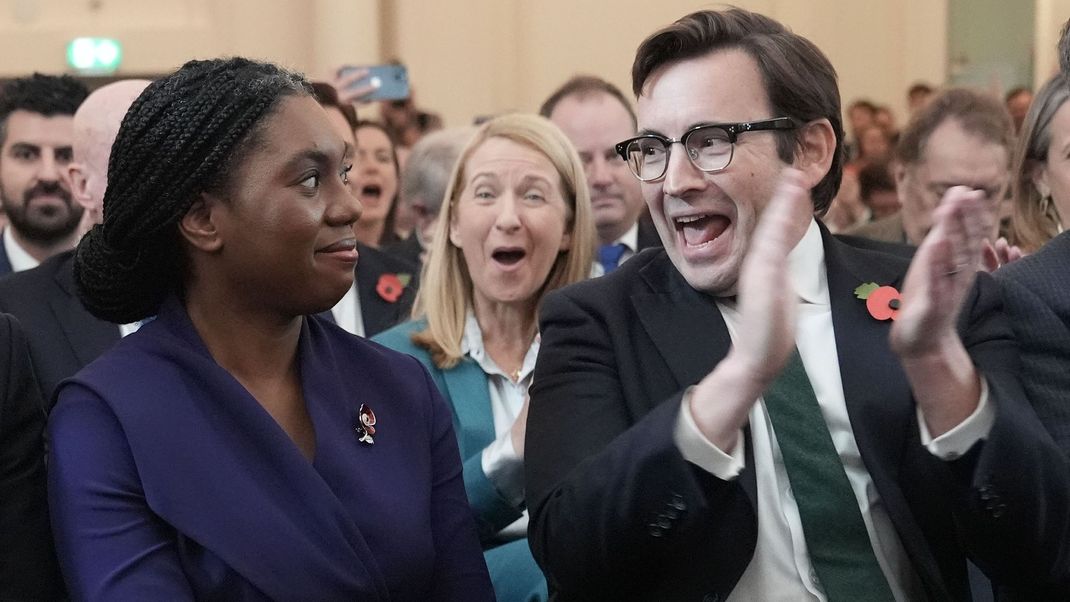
[285,512]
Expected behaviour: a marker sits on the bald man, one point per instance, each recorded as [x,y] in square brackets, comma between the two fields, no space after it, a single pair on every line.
[63,336]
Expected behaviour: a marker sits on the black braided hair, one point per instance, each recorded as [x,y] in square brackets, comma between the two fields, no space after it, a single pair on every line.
[183,136]
[46,95]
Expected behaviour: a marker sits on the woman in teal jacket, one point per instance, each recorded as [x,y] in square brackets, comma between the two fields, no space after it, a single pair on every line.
[516,224]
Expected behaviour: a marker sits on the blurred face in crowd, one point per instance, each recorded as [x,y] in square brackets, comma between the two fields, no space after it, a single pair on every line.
[706,220]
[511,221]
[376,180]
[873,144]
[859,116]
[885,120]
[34,193]
[1052,177]
[595,123]
[951,157]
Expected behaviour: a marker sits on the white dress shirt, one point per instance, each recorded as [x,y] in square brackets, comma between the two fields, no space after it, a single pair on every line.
[781,567]
[19,258]
[347,312]
[501,462]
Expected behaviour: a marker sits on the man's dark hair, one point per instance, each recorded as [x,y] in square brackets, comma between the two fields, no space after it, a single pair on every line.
[799,79]
[583,86]
[327,96]
[979,114]
[46,95]
[185,135]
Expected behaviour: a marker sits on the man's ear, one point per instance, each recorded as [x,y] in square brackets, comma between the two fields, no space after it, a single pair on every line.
[200,225]
[77,182]
[815,151]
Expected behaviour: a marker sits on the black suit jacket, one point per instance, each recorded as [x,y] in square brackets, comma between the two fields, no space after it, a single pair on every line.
[28,569]
[648,234]
[407,250]
[1036,293]
[377,311]
[63,335]
[604,474]
[5,263]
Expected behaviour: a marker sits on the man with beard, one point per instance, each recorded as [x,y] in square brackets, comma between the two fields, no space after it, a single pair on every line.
[63,335]
[595,115]
[36,128]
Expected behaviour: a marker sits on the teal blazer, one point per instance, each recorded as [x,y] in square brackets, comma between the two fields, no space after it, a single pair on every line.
[465,388]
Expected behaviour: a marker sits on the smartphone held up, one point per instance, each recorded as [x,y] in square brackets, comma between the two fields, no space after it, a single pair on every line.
[383,82]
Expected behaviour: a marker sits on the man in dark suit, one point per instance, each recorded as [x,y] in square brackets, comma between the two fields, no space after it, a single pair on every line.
[63,335]
[28,569]
[595,115]
[35,149]
[836,456]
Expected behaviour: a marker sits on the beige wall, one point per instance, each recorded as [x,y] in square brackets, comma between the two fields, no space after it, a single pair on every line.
[478,57]
[498,55]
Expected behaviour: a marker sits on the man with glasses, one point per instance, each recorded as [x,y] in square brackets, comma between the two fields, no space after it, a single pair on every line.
[850,442]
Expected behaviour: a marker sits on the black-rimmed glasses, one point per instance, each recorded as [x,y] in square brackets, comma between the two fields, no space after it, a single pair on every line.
[708,146]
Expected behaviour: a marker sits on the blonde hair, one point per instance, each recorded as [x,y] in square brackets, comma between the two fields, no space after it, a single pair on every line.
[445,294]
[1035,220]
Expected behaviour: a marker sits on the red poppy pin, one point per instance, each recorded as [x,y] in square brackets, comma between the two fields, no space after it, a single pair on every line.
[882,301]
[366,428]
[390,286]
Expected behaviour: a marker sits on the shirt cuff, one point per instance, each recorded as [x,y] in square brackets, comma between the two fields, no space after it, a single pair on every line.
[698,450]
[504,468]
[956,442]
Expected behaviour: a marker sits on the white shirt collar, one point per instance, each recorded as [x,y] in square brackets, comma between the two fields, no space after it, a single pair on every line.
[806,264]
[19,258]
[472,346]
[630,238]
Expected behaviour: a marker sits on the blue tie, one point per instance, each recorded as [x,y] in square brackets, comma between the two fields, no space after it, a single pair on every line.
[609,256]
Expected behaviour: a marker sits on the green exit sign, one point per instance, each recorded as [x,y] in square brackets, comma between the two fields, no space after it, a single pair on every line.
[94,55]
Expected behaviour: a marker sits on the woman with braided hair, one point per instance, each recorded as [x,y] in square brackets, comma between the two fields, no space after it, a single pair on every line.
[234,448]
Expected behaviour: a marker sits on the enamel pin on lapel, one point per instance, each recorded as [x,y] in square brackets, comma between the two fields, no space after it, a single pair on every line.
[366,428]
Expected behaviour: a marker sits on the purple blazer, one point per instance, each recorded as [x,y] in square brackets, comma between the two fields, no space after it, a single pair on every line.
[168,480]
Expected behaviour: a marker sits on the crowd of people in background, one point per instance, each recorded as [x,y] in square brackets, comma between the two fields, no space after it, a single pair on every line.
[697,342]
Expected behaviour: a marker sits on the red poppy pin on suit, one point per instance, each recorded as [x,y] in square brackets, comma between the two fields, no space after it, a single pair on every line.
[366,428]
[390,286]
[883,302]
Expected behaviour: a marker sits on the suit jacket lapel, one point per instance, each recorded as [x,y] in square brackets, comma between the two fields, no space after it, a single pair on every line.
[466,385]
[377,313]
[689,333]
[684,324]
[89,336]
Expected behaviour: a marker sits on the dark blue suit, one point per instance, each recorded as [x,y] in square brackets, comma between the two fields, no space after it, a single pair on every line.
[168,481]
